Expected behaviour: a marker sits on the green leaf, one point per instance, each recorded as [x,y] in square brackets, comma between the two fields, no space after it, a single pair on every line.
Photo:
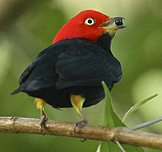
[136,106]
[112,120]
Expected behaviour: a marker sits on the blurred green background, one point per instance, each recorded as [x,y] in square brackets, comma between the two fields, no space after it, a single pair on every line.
[27,27]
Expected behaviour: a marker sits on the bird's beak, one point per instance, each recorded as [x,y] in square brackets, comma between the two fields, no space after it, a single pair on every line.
[113,24]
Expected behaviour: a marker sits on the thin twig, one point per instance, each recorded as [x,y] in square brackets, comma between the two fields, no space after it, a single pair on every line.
[145,124]
[120,146]
[124,135]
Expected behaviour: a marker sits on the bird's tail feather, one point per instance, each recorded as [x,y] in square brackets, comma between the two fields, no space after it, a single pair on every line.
[16,91]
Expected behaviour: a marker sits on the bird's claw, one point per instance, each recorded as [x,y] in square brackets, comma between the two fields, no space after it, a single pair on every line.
[80,124]
[83,140]
[43,122]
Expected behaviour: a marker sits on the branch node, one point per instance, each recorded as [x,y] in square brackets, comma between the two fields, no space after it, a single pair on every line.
[13,121]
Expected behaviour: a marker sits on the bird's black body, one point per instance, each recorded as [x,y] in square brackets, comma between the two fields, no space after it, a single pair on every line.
[72,66]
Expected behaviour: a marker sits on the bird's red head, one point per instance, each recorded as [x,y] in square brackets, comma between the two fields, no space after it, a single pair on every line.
[88,24]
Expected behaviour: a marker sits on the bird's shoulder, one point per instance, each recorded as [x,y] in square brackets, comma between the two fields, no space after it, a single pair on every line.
[85,63]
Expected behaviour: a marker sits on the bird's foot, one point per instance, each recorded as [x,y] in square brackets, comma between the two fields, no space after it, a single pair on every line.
[78,125]
[43,121]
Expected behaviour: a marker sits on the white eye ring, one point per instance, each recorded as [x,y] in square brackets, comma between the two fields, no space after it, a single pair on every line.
[89,21]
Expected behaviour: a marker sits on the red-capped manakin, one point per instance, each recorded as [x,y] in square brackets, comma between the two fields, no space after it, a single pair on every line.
[70,71]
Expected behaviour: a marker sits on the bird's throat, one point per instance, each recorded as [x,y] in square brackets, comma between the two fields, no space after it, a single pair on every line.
[104,41]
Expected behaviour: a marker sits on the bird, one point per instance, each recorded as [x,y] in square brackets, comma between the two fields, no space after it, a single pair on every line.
[70,71]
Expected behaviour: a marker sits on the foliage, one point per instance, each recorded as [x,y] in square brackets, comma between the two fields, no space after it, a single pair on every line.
[112,120]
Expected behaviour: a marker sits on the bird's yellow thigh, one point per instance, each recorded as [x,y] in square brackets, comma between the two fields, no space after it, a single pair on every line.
[40,103]
[77,102]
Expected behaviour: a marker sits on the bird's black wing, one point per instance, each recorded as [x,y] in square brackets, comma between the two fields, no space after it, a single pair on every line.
[39,74]
[84,63]
[32,66]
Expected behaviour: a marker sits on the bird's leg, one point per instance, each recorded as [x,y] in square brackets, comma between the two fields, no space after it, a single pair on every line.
[77,102]
[84,119]
[43,118]
[40,105]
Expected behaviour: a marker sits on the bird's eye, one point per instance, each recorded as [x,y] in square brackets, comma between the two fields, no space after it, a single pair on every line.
[89,21]
[119,22]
